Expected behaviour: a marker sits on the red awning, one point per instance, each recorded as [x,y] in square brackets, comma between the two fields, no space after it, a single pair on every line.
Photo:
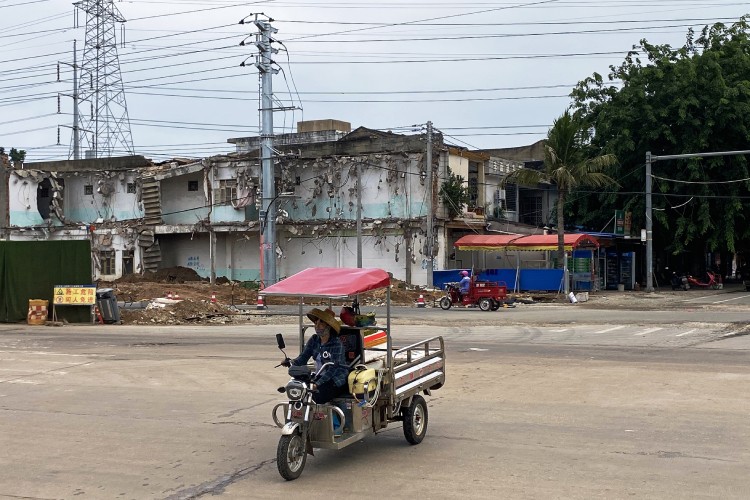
[330,282]
[520,242]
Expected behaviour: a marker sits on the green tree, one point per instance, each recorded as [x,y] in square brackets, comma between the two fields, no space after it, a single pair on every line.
[569,162]
[454,193]
[692,99]
[17,156]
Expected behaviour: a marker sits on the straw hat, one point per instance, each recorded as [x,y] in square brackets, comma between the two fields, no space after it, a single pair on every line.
[327,316]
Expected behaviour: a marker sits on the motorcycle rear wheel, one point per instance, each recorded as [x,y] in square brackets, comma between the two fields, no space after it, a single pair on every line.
[485,304]
[415,420]
[291,456]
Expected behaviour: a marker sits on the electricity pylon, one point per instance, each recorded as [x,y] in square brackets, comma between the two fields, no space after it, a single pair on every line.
[101,84]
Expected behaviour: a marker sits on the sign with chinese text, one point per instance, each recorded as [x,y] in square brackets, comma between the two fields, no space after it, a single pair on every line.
[619,222]
[74,295]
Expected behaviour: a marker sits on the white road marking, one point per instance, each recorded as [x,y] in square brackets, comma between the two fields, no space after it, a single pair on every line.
[699,298]
[561,330]
[611,329]
[686,333]
[730,300]
[730,334]
[650,330]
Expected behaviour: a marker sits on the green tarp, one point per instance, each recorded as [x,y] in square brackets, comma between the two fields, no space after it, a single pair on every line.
[31,269]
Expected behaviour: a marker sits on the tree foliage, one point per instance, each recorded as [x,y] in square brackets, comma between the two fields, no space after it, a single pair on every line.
[569,162]
[692,99]
[454,193]
[17,156]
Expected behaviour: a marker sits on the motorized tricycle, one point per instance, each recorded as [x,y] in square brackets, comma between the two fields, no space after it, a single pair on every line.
[487,295]
[386,383]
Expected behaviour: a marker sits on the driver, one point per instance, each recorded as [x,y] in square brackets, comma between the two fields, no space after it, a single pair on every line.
[324,347]
[464,284]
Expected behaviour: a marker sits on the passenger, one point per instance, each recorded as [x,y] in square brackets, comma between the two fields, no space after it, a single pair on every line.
[324,347]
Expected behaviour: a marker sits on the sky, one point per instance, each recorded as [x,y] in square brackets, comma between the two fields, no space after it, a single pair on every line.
[487,74]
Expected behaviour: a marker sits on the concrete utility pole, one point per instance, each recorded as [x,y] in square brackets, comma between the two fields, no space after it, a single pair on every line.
[649,210]
[359,215]
[649,228]
[264,63]
[430,207]
[76,119]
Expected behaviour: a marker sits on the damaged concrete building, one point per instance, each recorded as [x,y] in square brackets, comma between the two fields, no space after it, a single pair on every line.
[204,214]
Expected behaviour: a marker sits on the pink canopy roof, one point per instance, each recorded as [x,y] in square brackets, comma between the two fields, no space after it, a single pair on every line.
[521,242]
[330,282]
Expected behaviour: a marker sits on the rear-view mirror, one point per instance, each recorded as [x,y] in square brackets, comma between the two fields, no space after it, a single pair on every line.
[280,341]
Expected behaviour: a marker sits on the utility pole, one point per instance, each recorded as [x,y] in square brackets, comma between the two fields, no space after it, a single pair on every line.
[264,63]
[649,228]
[359,215]
[430,207]
[76,120]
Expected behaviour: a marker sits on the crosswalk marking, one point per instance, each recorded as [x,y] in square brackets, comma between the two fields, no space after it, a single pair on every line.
[686,333]
[611,329]
[650,330]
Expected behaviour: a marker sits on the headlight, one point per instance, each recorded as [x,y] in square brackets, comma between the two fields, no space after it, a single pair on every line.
[295,390]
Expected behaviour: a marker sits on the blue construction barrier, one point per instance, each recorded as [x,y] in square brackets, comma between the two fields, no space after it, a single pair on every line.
[549,280]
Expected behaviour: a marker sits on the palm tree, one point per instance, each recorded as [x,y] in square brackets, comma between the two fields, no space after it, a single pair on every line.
[567,164]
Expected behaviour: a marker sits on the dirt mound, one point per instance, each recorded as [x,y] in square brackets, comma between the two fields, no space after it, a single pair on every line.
[185,311]
[177,274]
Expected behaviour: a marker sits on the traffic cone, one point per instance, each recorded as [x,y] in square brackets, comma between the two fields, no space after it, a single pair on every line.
[420,301]
[99,316]
[213,297]
[176,296]
[169,295]
[261,304]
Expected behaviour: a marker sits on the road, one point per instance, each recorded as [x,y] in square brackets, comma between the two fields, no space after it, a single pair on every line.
[649,407]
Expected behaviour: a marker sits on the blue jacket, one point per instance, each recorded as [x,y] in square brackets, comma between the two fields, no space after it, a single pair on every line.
[464,284]
[333,350]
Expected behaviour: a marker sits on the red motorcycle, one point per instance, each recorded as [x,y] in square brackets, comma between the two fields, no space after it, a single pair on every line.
[714,281]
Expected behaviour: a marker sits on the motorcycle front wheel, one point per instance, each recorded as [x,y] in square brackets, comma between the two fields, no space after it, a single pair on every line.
[445,303]
[291,456]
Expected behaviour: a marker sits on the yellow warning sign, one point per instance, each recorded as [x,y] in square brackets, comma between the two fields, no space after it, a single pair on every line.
[75,295]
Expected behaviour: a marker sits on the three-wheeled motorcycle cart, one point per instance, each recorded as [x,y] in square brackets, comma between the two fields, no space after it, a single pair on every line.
[487,295]
[386,383]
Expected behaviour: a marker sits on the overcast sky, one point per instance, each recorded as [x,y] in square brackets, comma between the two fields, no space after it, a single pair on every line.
[487,74]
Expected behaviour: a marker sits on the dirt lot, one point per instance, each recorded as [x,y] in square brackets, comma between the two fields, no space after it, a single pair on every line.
[192,297]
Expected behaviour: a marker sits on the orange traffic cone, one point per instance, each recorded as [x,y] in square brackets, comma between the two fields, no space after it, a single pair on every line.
[176,296]
[99,316]
[213,297]
[169,295]
[420,301]
[260,304]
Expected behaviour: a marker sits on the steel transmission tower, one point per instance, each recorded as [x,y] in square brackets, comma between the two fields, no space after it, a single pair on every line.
[106,121]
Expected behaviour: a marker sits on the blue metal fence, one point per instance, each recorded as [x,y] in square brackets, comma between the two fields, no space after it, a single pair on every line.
[549,280]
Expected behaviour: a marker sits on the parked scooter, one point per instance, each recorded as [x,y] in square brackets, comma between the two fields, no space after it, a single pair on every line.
[714,281]
[680,281]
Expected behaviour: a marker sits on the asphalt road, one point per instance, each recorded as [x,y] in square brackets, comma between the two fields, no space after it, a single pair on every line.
[629,404]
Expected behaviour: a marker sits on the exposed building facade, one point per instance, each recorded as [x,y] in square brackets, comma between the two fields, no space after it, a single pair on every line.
[204,214]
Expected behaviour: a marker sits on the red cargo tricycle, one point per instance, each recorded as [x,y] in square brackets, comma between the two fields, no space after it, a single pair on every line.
[487,295]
